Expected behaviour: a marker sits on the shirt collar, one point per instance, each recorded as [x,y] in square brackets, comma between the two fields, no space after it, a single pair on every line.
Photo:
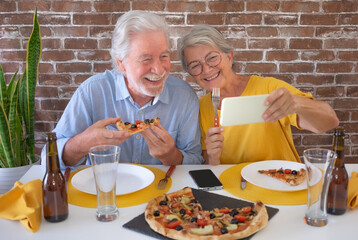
[123,93]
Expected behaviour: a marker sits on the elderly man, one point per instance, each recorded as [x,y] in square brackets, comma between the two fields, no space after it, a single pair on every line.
[138,88]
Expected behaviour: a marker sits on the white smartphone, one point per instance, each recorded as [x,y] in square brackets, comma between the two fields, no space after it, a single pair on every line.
[242,110]
[205,179]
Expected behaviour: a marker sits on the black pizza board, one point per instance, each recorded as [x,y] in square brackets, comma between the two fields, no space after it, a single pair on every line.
[208,200]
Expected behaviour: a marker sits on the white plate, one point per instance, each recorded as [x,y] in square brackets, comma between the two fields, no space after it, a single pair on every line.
[251,174]
[130,178]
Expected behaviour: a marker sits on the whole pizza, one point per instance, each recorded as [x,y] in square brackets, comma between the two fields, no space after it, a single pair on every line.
[178,215]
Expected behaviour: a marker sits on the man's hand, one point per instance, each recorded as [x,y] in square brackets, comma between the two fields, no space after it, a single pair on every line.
[161,145]
[96,134]
[100,135]
[214,142]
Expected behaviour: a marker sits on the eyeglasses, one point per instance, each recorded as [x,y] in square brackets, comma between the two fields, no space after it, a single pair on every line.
[212,59]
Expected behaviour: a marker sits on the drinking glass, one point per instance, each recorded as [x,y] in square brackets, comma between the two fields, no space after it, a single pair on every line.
[104,159]
[319,165]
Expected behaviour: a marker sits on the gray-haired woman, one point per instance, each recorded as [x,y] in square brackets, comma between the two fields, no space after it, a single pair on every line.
[208,58]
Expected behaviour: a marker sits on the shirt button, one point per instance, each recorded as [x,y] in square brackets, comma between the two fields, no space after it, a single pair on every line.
[136,161]
[140,111]
[137,137]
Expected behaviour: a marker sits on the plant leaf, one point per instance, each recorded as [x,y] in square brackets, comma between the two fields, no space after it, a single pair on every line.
[28,84]
[20,147]
[6,153]
[13,116]
[9,91]
[3,92]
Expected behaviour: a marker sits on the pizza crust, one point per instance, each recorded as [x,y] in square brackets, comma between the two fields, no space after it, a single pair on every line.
[260,221]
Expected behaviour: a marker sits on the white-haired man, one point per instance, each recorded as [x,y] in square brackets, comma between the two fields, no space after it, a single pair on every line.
[138,88]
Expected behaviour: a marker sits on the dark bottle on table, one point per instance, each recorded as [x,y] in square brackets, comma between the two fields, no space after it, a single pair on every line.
[337,192]
[55,205]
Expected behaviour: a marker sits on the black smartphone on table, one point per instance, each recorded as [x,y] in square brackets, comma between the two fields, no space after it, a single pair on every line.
[205,179]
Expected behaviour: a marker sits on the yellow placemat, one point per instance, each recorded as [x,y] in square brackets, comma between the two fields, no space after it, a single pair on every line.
[231,177]
[82,199]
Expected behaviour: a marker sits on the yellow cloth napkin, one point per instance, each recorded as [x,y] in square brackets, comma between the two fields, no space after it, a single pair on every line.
[23,203]
[352,198]
[231,177]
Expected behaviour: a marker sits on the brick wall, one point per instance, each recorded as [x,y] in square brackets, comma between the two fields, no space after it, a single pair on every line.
[310,44]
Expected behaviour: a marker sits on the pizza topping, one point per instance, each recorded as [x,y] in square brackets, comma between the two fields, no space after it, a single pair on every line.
[291,177]
[194,219]
[246,209]
[224,210]
[240,218]
[224,230]
[233,212]
[173,224]
[182,211]
[202,222]
[208,229]
[172,217]
[194,201]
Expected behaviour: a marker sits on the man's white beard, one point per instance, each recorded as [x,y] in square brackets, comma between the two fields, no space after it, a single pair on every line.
[150,91]
[144,89]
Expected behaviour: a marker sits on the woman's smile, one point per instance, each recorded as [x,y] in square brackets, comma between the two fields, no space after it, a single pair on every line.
[213,77]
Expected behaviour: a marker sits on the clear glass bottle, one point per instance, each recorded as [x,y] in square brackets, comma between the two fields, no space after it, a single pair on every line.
[338,187]
[54,189]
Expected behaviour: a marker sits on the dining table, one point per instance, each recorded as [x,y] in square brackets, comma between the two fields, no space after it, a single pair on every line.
[288,223]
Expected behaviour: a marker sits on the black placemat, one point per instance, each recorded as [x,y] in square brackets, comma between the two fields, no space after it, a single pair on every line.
[208,200]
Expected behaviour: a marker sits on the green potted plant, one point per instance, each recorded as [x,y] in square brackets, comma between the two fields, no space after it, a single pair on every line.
[17,110]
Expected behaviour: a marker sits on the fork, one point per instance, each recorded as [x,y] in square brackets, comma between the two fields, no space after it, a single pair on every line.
[215,98]
[163,182]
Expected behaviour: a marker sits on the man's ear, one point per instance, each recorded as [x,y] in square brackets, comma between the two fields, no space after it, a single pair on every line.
[120,65]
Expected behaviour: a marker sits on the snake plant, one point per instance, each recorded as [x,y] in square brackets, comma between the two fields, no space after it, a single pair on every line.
[17,107]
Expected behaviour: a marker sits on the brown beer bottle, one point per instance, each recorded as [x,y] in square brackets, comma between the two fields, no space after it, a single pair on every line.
[55,206]
[337,192]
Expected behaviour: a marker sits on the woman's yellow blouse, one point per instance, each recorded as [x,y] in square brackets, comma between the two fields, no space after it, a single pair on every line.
[258,141]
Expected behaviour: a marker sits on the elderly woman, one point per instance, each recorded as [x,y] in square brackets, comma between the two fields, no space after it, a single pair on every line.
[208,58]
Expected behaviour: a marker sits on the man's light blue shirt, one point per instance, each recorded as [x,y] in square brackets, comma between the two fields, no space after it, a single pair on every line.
[106,95]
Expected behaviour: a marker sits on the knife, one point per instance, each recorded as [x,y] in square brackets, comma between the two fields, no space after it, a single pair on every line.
[243,183]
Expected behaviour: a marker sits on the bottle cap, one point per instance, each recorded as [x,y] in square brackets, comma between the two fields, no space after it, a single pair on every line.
[51,136]
[339,131]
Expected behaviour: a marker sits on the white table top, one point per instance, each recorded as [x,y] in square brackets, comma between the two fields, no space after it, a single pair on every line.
[81,224]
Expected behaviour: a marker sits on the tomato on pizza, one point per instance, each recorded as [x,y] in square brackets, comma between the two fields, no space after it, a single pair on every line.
[138,126]
[291,177]
[179,215]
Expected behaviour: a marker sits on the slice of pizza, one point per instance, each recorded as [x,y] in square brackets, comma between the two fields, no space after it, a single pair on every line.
[291,177]
[178,215]
[138,126]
